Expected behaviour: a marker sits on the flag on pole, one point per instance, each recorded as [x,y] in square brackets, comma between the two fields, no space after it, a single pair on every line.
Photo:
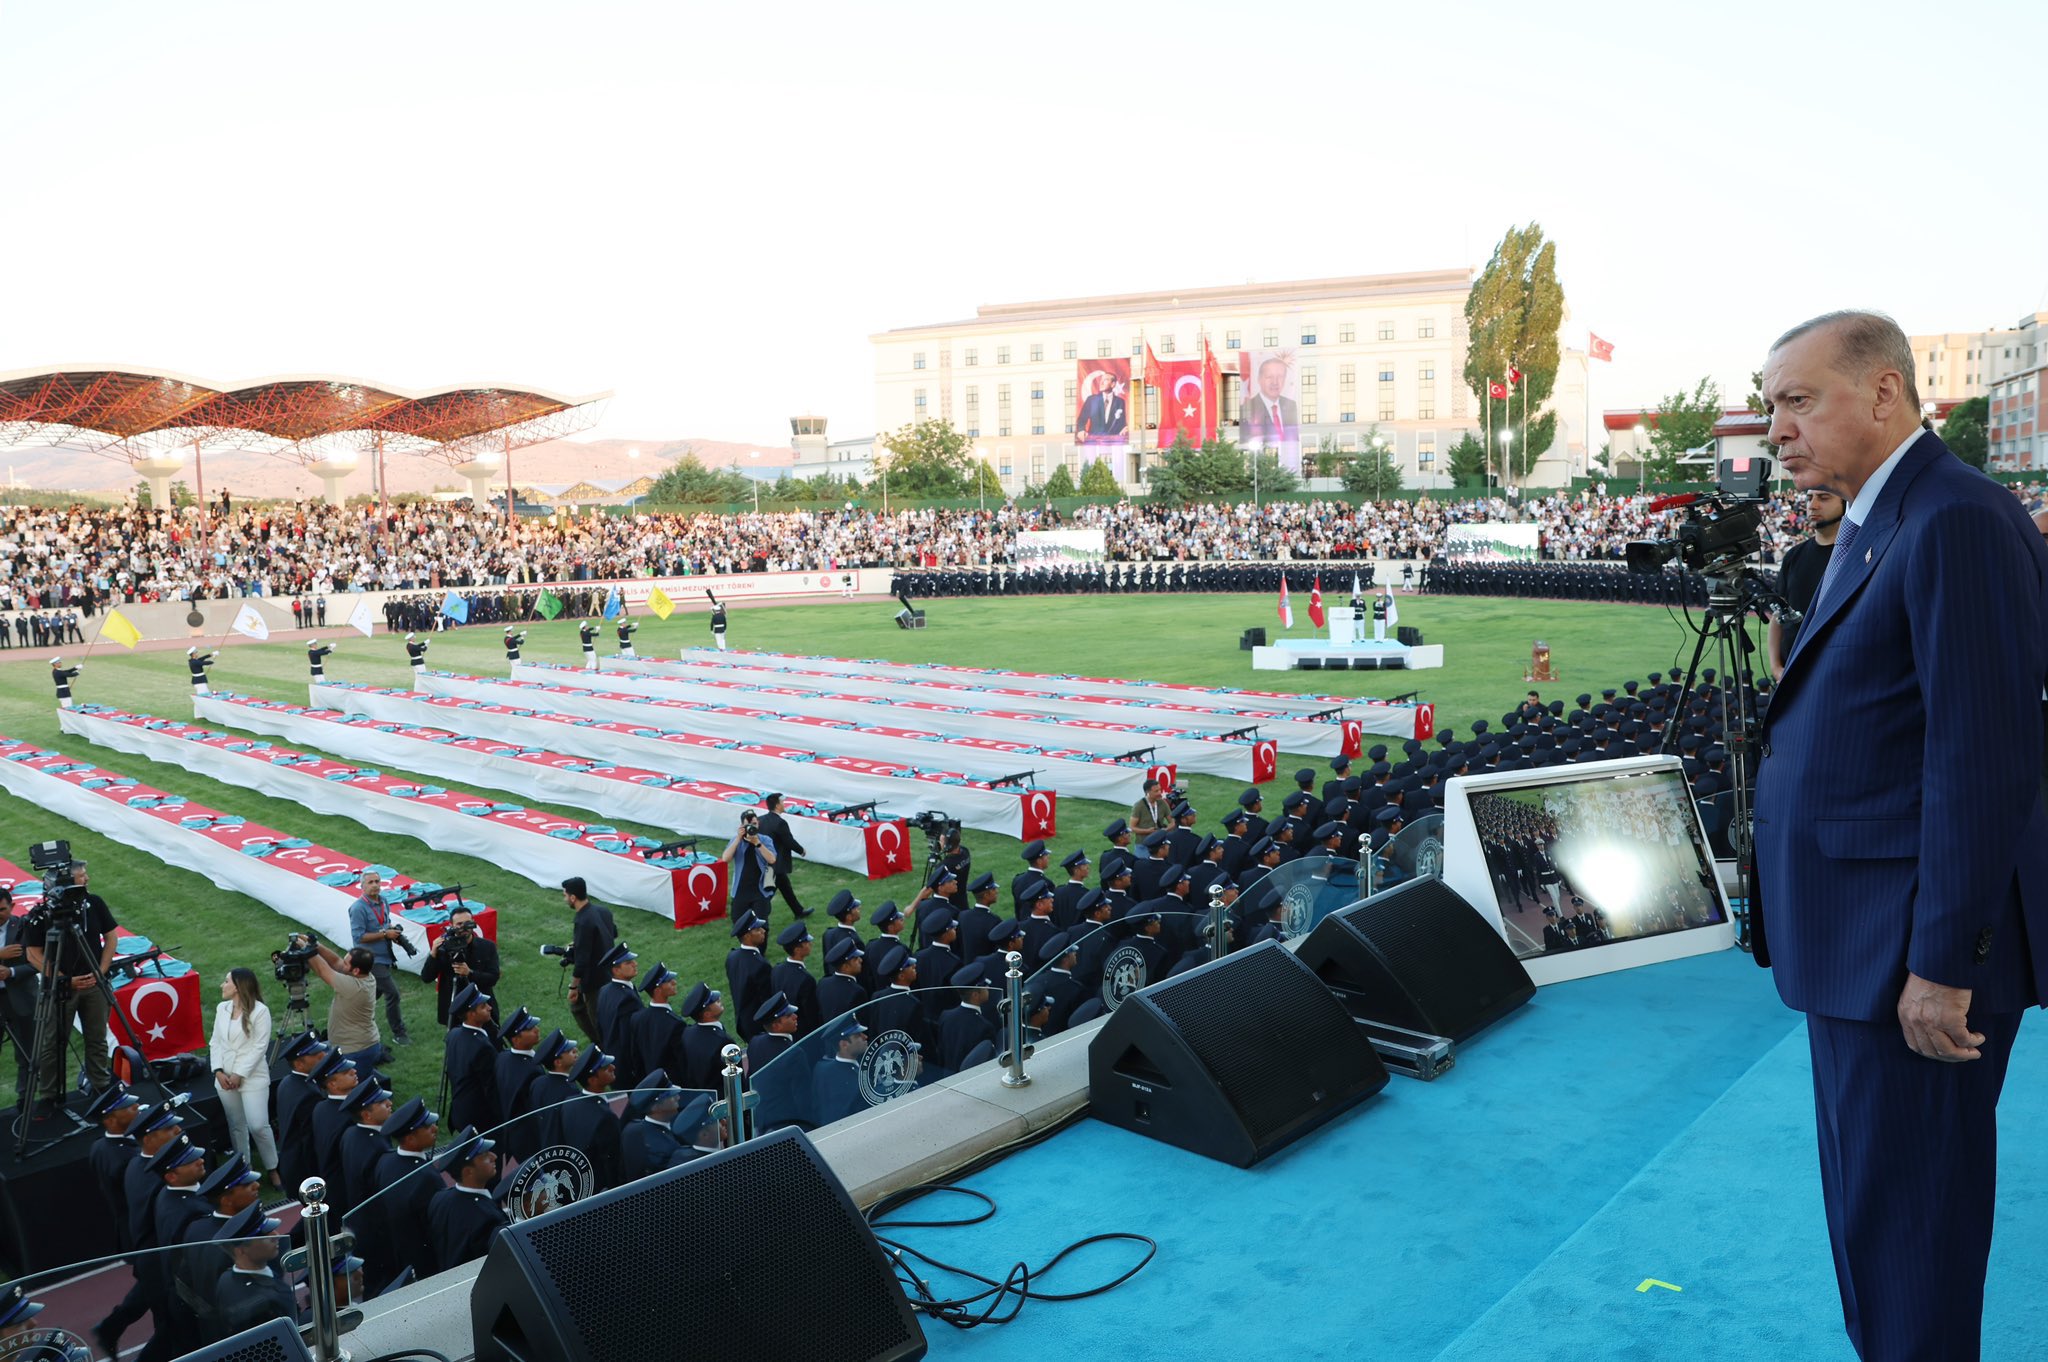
[249,621]
[1315,603]
[1497,391]
[362,619]
[1354,586]
[1599,349]
[455,608]
[116,628]
[614,605]
[548,605]
[1286,606]
[1514,375]
[660,604]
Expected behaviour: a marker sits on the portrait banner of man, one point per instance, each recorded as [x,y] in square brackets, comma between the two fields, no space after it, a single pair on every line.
[1269,415]
[1102,422]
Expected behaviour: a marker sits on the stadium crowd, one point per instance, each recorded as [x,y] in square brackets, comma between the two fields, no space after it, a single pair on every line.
[79,557]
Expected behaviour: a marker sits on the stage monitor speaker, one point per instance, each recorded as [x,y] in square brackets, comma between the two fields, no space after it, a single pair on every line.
[582,1283]
[1251,638]
[1408,635]
[1309,662]
[277,1341]
[1419,957]
[1234,1061]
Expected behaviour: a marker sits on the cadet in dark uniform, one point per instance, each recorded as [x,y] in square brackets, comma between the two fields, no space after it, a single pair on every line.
[462,1218]
[1036,859]
[552,1088]
[940,891]
[896,1007]
[618,1000]
[179,1167]
[297,1096]
[1145,874]
[250,1291]
[646,1144]
[747,972]
[980,919]
[406,1182]
[316,658]
[938,961]
[888,923]
[1181,841]
[1066,898]
[1057,987]
[586,633]
[842,989]
[516,1067]
[785,1087]
[116,1110]
[835,1082]
[793,979]
[369,1106]
[654,1037]
[1118,835]
[588,1123]
[844,910]
[964,1027]
[704,1039]
[337,1077]
[470,1061]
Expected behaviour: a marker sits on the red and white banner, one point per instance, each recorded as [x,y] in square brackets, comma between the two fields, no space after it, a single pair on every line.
[1286,605]
[1188,399]
[1315,605]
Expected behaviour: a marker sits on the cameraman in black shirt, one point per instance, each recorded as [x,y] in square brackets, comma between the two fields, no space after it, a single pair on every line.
[595,935]
[79,995]
[461,956]
[1799,576]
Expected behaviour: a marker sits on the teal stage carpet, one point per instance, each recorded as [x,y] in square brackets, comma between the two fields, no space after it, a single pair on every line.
[1651,1125]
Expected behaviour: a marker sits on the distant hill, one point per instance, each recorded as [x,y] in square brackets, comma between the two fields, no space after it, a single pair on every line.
[259,475]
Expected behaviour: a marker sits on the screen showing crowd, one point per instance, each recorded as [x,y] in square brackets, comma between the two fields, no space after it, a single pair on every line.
[1588,863]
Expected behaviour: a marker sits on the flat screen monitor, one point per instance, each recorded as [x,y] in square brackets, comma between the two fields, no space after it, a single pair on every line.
[1587,868]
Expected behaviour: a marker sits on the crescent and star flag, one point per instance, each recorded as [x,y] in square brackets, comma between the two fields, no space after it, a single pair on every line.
[1315,603]
[455,608]
[362,620]
[1187,400]
[1514,375]
[660,604]
[1599,349]
[249,621]
[116,628]
[1286,606]
[614,605]
[167,1013]
[548,605]
[1497,391]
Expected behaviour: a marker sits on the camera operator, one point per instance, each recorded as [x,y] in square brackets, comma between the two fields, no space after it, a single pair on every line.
[79,996]
[776,829]
[17,995]
[373,927]
[352,1016]
[595,935]
[462,956]
[753,858]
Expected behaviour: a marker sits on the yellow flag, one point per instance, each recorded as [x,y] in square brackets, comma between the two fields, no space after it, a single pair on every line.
[660,604]
[117,629]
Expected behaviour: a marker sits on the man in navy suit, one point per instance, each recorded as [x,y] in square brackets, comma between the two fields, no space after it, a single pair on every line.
[1901,842]
[1104,418]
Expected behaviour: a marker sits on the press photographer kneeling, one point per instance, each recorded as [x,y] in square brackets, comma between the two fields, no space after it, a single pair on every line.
[462,956]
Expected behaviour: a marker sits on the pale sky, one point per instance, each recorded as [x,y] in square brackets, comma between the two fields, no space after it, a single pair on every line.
[711,210]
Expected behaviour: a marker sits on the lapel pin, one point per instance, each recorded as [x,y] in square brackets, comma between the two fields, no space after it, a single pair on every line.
[1866,555]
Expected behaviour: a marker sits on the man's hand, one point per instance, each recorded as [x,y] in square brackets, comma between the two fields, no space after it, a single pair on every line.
[14,952]
[461,970]
[81,982]
[1936,1020]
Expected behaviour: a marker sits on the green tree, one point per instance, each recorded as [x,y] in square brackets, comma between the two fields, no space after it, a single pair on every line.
[983,482]
[1375,471]
[928,459]
[1682,421]
[688,482]
[1098,481]
[1060,484]
[142,493]
[1212,470]
[1513,314]
[1963,432]
[1468,460]
[181,495]
[1273,480]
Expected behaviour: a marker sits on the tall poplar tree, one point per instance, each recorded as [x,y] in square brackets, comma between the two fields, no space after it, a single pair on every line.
[1513,315]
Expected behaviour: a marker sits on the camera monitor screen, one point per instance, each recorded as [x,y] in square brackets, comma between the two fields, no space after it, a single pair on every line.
[1587,868]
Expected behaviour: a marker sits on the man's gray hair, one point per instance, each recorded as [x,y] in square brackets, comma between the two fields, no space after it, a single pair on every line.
[1864,341]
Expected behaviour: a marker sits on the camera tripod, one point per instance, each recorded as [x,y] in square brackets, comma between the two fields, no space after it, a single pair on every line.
[58,934]
[1734,593]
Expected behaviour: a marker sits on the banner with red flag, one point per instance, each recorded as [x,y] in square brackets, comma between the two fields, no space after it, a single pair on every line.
[1497,391]
[1187,400]
[1315,603]
[1286,606]
[1599,349]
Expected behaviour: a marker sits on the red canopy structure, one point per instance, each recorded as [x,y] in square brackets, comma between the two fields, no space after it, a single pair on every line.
[150,418]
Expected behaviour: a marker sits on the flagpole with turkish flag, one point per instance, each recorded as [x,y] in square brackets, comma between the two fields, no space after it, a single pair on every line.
[1315,603]
[1286,606]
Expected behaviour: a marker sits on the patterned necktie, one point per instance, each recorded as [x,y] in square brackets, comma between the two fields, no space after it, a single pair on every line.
[1843,543]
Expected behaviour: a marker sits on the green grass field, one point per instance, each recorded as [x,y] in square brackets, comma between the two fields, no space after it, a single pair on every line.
[1187,638]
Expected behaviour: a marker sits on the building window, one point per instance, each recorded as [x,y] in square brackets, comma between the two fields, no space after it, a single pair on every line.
[1005,469]
[1308,378]
[1425,413]
[1308,335]
[1233,341]
[1347,334]
[1427,373]
[1002,354]
[1069,350]
[1347,416]
[974,432]
[1386,411]
[918,400]
[1308,410]
[1166,345]
[1038,392]
[1347,376]
[1037,354]
[1038,429]
[917,360]
[1386,331]
[970,357]
[1425,330]
[1269,338]
[1038,463]
[1386,375]
[1103,349]
[1137,346]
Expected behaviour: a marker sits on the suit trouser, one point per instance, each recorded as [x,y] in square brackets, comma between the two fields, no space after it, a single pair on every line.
[585,1017]
[1909,1170]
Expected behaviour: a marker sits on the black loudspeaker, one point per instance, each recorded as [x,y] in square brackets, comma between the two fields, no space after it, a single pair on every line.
[1309,662]
[1252,638]
[277,1341]
[1234,1060]
[589,1283]
[1408,635]
[1419,957]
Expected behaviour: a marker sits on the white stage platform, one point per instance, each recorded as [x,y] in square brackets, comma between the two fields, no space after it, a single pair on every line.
[1287,655]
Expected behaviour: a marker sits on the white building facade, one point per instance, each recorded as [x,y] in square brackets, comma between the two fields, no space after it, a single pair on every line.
[1957,365]
[1377,355]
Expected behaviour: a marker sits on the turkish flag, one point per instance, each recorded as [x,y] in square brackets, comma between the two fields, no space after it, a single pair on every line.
[167,1015]
[697,892]
[888,846]
[1187,400]
[1425,722]
[1040,814]
[1497,391]
[1315,603]
[1354,738]
[1286,606]
[1265,760]
[1514,375]
[1599,349]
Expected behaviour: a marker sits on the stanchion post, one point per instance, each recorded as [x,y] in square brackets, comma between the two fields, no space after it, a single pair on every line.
[320,1273]
[737,1106]
[1219,941]
[1013,1004]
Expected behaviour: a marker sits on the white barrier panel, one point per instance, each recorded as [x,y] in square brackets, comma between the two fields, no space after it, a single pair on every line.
[623,729]
[311,885]
[721,705]
[873,847]
[684,888]
[1363,708]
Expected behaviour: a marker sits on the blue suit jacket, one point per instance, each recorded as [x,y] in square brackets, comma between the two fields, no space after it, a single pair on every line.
[1899,822]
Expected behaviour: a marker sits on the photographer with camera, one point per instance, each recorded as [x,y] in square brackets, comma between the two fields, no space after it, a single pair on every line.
[375,929]
[595,933]
[753,857]
[352,1016]
[776,829]
[79,994]
[462,956]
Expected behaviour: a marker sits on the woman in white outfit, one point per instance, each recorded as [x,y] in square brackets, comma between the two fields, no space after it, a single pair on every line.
[241,1069]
